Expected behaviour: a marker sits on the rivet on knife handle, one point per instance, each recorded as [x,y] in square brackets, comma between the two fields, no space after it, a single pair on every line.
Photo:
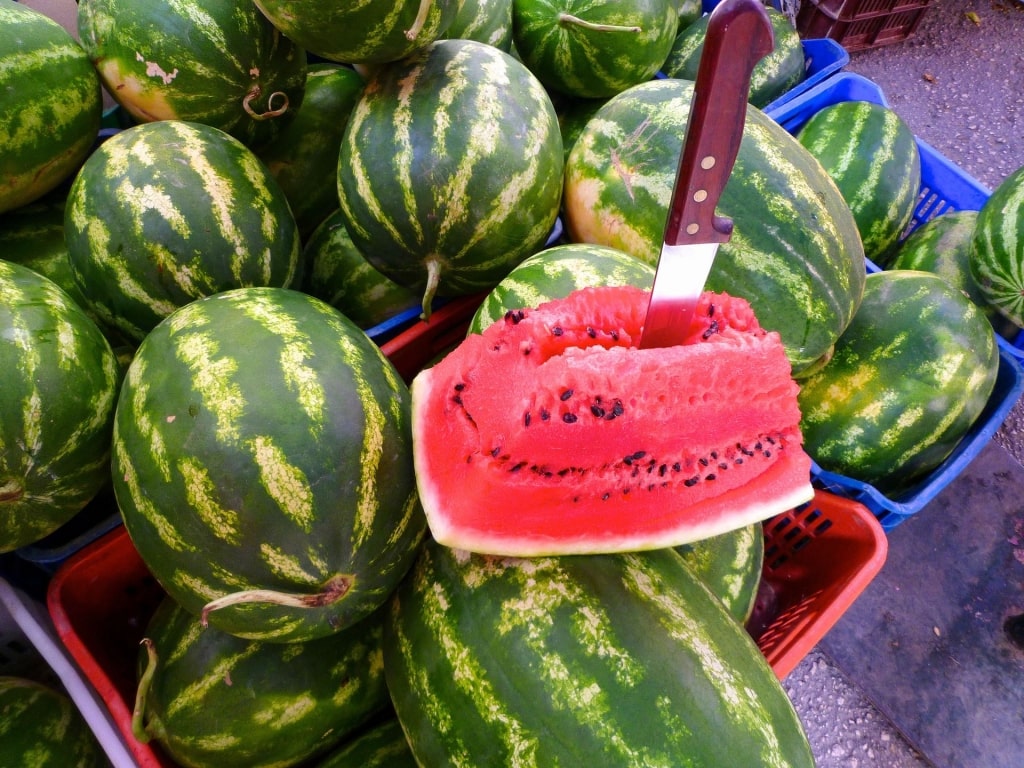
[739,34]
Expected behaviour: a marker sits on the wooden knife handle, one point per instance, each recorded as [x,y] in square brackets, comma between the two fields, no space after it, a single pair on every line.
[739,34]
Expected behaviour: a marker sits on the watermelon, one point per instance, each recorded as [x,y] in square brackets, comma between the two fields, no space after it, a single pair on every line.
[214,700]
[909,378]
[688,11]
[803,281]
[41,727]
[873,157]
[50,105]
[338,273]
[997,248]
[304,155]
[593,50]
[382,746]
[556,272]
[217,62]
[61,381]
[598,446]
[362,32]
[612,660]
[729,564]
[450,170]
[166,212]
[778,72]
[486,21]
[263,465]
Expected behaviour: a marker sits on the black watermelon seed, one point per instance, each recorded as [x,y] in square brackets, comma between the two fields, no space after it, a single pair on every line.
[557,330]
[545,414]
[565,395]
[526,419]
[569,418]
[711,476]
[677,467]
[690,482]
[597,410]
[496,451]
[517,466]
[702,461]
[460,386]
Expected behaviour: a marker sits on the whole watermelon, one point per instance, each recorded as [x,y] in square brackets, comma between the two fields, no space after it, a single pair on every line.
[362,32]
[50,105]
[166,212]
[217,62]
[450,170]
[60,385]
[997,248]
[42,727]
[593,50]
[795,253]
[263,464]
[909,378]
[213,700]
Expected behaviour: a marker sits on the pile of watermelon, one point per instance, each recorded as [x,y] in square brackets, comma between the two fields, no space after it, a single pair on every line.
[185,300]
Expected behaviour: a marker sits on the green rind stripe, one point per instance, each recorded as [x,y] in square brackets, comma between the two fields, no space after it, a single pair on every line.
[997,250]
[552,661]
[263,441]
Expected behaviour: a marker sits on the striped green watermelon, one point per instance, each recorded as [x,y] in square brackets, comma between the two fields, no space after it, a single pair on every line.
[908,379]
[217,62]
[486,21]
[361,32]
[556,272]
[593,50]
[166,212]
[804,280]
[50,105]
[381,746]
[337,272]
[551,433]
[40,727]
[304,155]
[997,248]
[688,11]
[610,660]
[729,564]
[775,74]
[213,700]
[450,170]
[263,464]
[57,401]
[573,116]
[873,157]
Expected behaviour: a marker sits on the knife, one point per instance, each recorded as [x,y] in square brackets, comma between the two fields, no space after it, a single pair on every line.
[739,34]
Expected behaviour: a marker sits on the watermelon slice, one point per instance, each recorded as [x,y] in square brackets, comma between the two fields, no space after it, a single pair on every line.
[552,433]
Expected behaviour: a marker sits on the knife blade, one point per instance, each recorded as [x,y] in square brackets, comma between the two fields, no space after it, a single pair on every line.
[739,34]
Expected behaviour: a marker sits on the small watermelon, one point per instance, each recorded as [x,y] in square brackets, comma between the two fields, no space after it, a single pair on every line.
[57,401]
[775,74]
[556,272]
[303,157]
[908,379]
[872,155]
[263,464]
[213,700]
[997,248]
[337,272]
[552,433]
[613,660]
[217,62]
[50,105]
[361,32]
[42,727]
[450,170]
[166,212]
[593,50]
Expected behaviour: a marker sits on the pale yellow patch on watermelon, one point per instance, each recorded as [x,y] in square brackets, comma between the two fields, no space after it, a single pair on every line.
[277,713]
[212,380]
[192,697]
[201,491]
[284,482]
[288,566]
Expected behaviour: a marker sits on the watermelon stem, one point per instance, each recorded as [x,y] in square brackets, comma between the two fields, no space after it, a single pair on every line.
[421,18]
[11,490]
[433,264]
[567,18]
[142,692]
[333,591]
[253,94]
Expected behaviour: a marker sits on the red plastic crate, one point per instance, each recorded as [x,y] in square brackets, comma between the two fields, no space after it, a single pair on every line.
[818,559]
[861,24]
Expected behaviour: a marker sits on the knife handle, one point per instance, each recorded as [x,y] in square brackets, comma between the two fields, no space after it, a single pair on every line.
[739,34]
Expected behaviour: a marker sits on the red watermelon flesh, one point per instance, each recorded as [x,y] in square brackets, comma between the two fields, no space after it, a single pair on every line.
[552,433]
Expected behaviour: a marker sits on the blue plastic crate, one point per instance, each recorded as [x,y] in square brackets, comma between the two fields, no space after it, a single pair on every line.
[944,187]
